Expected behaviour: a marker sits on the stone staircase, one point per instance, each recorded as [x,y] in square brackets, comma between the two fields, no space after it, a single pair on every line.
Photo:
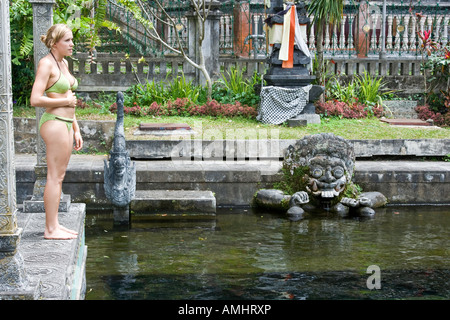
[194,189]
[403,113]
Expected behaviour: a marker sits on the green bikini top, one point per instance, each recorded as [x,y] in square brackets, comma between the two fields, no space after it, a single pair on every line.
[63,84]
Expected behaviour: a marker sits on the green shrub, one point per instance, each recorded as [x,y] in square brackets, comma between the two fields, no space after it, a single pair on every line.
[180,88]
[371,89]
[233,86]
[145,94]
[366,90]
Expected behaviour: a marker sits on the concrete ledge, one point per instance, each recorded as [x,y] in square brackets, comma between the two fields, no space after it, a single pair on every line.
[406,182]
[98,136]
[274,149]
[401,147]
[59,265]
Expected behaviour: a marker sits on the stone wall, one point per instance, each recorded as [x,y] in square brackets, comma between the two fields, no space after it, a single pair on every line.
[234,184]
[115,73]
[97,135]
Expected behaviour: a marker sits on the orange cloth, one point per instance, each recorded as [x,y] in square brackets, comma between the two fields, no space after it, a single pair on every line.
[290,62]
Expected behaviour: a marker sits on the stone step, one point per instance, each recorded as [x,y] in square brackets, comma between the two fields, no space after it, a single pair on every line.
[164,126]
[189,202]
[408,122]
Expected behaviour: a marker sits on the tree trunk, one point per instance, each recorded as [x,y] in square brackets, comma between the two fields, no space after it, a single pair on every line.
[320,65]
[208,82]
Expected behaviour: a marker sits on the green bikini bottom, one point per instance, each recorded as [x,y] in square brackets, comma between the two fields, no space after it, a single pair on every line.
[49,116]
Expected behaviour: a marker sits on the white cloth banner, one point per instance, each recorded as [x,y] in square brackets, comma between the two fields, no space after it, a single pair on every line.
[298,39]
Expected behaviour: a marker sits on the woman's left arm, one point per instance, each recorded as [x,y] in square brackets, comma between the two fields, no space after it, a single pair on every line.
[77,135]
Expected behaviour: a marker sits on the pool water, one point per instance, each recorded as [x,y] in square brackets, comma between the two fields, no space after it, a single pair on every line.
[245,254]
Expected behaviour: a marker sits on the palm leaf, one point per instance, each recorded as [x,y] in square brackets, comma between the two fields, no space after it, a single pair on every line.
[99,18]
[326,11]
[26,46]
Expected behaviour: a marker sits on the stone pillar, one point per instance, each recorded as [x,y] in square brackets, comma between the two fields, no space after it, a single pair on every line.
[241,28]
[210,45]
[363,28]
[14,283]
[42,20]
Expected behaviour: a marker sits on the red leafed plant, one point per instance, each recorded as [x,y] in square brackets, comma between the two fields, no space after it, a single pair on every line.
[184,107]
[439,119]
[427,43]
[341,109]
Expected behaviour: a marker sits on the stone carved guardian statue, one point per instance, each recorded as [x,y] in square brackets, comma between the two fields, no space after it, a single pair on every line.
[120,173]
[318,170]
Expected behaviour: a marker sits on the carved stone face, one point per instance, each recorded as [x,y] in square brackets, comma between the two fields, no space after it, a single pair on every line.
[327,176]
[321,164]
[120,166]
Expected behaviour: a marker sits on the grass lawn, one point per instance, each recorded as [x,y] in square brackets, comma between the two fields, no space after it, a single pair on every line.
[209,128]
[220,128]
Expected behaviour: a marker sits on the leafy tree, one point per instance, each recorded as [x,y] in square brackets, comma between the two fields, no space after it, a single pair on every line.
[201,9]
[21,25]
[324,12]
[84,17]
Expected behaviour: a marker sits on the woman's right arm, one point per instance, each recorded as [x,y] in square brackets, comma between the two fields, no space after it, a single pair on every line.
[38,99]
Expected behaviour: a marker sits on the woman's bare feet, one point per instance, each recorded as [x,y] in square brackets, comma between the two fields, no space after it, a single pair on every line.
[58,234]
[68,230]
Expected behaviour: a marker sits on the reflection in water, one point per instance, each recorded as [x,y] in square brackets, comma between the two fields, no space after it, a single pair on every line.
[254,255]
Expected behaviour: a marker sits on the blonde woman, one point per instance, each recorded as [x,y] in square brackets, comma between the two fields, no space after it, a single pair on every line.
[53,90]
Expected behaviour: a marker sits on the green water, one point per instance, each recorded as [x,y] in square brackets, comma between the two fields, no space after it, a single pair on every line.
[255,255]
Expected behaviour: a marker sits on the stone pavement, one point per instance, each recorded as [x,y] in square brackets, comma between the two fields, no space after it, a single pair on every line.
[57,267]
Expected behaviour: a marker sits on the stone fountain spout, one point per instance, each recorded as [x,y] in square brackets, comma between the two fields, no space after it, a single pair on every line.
[318,170]
[120,172]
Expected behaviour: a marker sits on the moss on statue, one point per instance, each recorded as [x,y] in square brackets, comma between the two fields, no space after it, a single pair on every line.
[292,183]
